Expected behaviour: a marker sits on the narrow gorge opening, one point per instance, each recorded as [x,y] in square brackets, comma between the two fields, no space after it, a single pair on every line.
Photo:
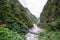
[29,19]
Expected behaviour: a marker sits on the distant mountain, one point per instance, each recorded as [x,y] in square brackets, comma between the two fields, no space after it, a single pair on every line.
[33,18]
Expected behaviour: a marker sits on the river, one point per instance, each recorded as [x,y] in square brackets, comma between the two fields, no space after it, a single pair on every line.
[34,29]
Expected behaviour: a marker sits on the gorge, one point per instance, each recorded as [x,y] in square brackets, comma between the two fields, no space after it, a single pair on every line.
[13,17]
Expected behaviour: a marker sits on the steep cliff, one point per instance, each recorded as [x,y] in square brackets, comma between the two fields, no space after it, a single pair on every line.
[33,18]
[51,14]
[14,16]
[50,20]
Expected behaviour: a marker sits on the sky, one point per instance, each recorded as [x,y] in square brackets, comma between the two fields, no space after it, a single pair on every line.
[34,6]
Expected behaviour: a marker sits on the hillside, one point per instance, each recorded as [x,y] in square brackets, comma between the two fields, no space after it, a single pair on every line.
[14,16]
[50,20]
[14,20]
[51,13]
[33,18]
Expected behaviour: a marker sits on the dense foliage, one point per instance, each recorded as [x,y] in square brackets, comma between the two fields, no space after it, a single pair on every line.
[50,20]
[34,19]
[13,14]
[50,36]
[51,14]
[14,17]
[6,34]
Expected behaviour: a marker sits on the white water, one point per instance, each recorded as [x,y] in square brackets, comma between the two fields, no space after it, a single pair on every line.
[34,29]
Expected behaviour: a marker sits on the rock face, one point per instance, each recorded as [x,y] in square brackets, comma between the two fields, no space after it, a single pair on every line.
[13,15]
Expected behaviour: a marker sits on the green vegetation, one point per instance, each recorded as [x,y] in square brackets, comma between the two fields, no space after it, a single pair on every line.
[14,17]
[13,14]
[6,34]
[50,20]
[33,18]
[51,36]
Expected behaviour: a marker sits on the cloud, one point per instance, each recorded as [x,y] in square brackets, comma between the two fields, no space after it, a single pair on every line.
[35,6]
[23,2]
